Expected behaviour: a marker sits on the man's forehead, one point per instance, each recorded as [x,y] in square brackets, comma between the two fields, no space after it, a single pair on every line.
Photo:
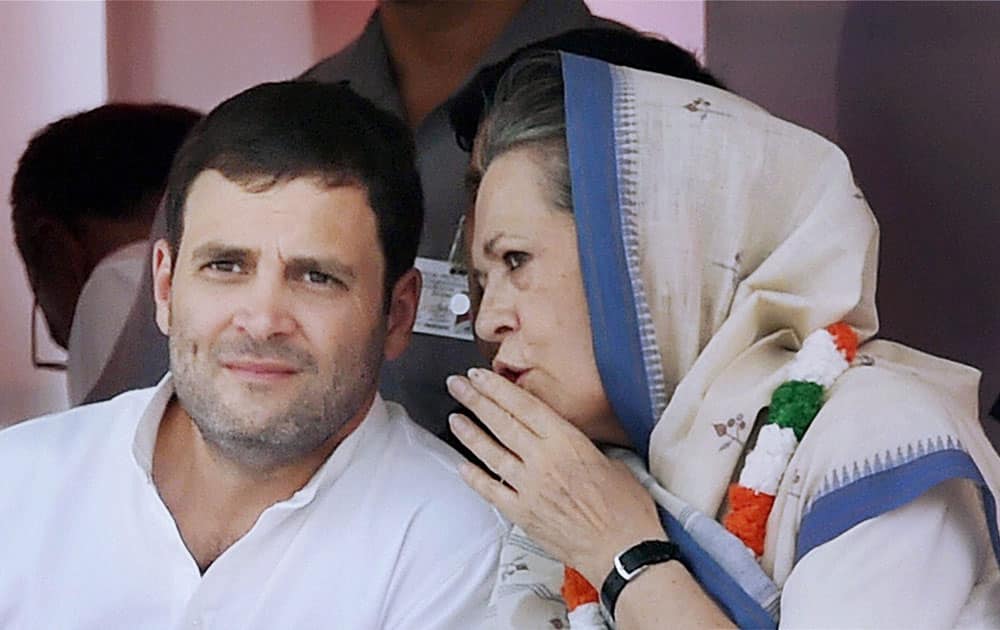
[253,184]
[298,218]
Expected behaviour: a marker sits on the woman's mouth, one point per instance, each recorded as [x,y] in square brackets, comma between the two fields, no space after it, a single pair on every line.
[511,373]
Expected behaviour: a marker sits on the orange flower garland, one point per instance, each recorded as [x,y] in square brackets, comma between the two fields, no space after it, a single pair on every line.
[583,604]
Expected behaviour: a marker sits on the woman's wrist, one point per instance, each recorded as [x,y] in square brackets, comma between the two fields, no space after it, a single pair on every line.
[596,565]
[630,564]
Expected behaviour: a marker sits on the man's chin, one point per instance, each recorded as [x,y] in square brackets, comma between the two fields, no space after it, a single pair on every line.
[262,438]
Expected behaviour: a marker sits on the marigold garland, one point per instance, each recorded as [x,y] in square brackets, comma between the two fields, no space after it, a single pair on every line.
[747,509]
[583,604]
[824,356]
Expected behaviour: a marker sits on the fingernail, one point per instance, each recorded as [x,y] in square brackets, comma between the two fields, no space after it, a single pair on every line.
[476,374]
[458,424]
[456,385]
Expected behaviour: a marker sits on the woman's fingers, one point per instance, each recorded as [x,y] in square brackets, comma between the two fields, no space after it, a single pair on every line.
[511,432]
[519,403]
[495,492]
[497,458]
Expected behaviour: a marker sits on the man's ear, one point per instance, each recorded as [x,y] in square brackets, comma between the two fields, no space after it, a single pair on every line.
[402,313]
[162,284]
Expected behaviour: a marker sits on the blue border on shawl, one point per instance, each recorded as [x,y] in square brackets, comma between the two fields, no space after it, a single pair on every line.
[614,322]
[740,607]
[833,514]
[590,136]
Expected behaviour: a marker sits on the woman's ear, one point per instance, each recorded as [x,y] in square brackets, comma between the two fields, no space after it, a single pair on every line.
[162,284]
[402,313]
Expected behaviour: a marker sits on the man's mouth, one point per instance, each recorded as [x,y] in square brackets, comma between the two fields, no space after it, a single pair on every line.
[261,369]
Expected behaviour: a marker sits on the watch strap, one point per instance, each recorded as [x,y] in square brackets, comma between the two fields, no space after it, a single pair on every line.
[629,564]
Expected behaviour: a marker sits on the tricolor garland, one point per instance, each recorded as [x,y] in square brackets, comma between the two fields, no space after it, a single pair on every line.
[583,605]
[824,356]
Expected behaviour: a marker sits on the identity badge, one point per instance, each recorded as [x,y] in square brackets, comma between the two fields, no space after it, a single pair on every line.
[444,308]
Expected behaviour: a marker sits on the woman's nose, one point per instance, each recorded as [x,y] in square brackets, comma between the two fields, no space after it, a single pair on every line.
[496,317]
[264,312]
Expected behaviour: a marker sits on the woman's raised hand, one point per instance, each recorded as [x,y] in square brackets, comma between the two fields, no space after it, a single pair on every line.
[580,506]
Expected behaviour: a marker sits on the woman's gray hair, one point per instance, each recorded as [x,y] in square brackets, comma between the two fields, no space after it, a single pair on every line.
[527,112]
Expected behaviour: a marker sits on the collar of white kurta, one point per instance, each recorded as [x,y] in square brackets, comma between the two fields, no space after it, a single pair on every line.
[144,441]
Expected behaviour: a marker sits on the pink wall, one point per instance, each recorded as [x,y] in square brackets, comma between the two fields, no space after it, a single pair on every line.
[337,23]
[198,53]
[52,64]
[680,21]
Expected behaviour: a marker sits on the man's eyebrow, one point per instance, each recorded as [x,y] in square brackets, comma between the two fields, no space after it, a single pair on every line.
[214,249]
[326,264]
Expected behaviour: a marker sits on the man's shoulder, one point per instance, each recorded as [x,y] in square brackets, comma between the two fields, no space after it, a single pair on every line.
[59,438]
[423,470]
[336,67]
[417,446]
[350,60]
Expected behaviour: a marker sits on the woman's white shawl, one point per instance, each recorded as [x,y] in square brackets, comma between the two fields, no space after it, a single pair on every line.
[713,238]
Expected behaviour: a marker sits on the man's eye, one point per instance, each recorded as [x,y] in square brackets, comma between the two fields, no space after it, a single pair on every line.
[514,260]
[224,266]
[320,278]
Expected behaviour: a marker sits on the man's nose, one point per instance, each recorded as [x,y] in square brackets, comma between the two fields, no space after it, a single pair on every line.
[265,309]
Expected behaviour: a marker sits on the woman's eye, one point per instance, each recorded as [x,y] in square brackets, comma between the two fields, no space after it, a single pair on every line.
[515,260]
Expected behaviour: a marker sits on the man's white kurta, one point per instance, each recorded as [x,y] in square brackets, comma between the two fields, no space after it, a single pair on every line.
[385,535]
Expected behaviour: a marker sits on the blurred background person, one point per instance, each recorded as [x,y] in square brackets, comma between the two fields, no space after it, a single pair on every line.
[411,58]
[83,199]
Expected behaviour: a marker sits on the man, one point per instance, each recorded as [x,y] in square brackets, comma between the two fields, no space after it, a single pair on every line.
[83,199]
[263,483]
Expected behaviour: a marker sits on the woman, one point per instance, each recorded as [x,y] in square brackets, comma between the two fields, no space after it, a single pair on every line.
[652,253]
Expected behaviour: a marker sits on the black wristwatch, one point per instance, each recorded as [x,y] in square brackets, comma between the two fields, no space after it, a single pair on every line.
[629,564]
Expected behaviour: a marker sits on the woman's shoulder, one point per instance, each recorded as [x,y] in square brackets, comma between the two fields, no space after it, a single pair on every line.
[895,397]
[894,426]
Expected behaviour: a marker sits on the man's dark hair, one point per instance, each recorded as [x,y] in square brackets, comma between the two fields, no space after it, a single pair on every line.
[110,163]
[276,132]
